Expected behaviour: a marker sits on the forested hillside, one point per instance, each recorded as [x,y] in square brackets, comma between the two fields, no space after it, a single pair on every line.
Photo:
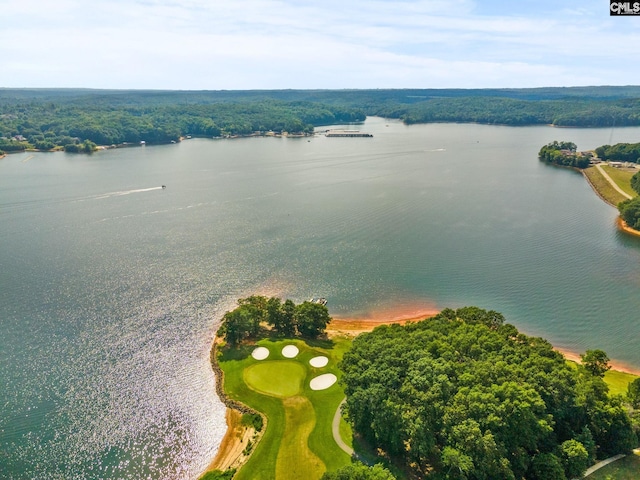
[49,118]
[46,125]
[466,396]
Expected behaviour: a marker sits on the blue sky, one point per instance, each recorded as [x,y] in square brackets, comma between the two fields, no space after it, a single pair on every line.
[270,44]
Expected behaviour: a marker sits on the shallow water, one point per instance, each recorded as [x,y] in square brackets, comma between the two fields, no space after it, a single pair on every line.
[111,287]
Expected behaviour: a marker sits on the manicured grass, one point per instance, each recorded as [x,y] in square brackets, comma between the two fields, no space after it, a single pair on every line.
[298,440]
[622,178]
[327,402]
[603,186]
[618,381]
[278,379]
[627,468]
[295,459]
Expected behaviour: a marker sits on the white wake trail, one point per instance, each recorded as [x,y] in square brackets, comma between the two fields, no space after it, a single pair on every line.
[125,192]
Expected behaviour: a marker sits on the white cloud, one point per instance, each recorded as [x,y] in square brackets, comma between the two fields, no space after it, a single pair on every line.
[331,44]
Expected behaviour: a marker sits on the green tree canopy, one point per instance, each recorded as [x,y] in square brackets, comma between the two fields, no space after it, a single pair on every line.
[563,153]
[633,393]
[477,400]
[241,323]
[311,319]
[308,319]
[358,471]
[596,362]
[575,458]
[630,212]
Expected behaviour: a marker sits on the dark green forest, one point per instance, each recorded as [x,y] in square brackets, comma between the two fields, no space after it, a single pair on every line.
[307,319]
[630,212]
[635,182]
[47,119]
[630,209]
[620,152]
[466,396]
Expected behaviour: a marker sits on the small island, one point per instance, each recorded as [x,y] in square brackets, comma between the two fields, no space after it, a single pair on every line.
[462,391]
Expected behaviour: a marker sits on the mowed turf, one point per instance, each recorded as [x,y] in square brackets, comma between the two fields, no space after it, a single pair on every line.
[300,419]
[278,379]
[298,440]
[622,177]
[618,382]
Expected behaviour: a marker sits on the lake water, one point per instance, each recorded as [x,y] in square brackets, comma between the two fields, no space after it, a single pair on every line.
[111,288]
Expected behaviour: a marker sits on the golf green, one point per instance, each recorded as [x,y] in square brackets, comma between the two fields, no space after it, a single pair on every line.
[280,378]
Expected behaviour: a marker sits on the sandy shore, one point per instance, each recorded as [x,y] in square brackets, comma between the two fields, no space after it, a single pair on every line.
[357,325]
[353,326]
[615,365]
[231,451]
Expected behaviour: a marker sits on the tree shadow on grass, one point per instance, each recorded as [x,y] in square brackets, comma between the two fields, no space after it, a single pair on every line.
[310,342]
[367,454]
[325,343]
[238,353]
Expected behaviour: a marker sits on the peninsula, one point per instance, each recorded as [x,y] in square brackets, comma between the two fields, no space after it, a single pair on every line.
[612,172]
[288,382]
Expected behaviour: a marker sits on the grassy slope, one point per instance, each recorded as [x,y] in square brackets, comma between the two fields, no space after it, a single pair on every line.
[622,178]
[603,187]
[618,381]
[290,430]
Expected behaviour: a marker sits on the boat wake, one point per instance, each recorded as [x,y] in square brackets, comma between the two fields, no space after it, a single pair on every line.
[125,192]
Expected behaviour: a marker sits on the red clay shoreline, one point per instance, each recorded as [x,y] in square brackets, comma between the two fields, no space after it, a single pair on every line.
[622,225]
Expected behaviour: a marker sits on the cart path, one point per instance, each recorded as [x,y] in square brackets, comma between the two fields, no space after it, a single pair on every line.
[335,428]
[601,464]
[613,184]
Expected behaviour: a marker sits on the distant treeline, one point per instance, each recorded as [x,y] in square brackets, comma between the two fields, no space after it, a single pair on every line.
[50,118]
[46,125]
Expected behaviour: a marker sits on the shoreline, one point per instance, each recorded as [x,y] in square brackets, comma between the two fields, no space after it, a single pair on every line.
[622,225]
[231,452]
[353,326]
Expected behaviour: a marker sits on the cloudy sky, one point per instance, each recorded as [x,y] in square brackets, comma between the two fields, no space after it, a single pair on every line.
[274,44]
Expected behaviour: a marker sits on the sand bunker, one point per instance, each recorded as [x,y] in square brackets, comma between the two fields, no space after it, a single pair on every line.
[290,351]
[323,381]
[260,353]
[319,362]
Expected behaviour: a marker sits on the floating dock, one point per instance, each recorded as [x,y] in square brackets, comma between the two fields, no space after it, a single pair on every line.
[346,133]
